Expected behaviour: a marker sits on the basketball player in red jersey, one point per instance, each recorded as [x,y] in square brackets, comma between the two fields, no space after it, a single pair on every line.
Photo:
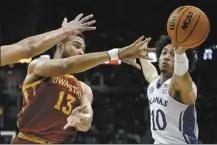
[35,45]
[55,104]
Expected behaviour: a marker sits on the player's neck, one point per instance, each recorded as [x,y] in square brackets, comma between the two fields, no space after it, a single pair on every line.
[164,77]
[58,54]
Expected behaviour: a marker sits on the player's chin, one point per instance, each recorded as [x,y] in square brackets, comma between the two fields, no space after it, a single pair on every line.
[163,69]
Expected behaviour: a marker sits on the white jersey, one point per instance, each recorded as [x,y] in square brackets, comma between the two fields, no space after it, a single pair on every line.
[171,121]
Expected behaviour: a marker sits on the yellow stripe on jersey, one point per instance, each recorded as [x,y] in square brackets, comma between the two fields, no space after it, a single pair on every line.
[69,76]
[25,87]
[25,95]
[32,84]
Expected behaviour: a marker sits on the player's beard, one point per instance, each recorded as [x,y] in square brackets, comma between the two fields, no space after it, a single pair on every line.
[163,70]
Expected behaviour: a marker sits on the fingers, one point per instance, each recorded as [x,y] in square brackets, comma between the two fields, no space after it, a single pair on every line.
[140,44]
[144,57]
[83,116]
[89,23]
[64,21]
[72,123]
[66,126]
[148,39]
[69,124]
[145,42]
[85,19]
[148,49]
[87,29]
[138,40]
[79,109]
[78,17]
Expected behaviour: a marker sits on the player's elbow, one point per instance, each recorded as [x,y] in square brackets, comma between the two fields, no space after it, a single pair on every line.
[50,68]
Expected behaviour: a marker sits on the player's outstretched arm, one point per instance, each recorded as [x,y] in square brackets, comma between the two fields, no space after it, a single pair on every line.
[81,63]
[35,45]
[148,69]
[181,86]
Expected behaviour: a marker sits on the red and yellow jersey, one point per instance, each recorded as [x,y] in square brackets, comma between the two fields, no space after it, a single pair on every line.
[46,105]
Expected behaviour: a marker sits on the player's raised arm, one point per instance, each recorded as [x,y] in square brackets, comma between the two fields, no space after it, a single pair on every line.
[181,85]
[148,69]
[35,45]
[80,63]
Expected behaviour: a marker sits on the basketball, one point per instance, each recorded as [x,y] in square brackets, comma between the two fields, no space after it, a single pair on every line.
[188,26]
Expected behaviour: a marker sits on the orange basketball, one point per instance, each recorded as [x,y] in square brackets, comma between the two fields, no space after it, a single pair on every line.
[188,26]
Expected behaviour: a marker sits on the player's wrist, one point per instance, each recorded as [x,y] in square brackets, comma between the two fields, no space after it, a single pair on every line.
[181,64]
[113,54]
[66,30]
[180,50]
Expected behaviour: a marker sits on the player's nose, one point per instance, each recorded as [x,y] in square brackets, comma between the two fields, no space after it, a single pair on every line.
[80,51]
[166,57]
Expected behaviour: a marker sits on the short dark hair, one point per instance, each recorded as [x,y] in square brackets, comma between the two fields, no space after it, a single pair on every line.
[82,36]
[67,38]
[191,53]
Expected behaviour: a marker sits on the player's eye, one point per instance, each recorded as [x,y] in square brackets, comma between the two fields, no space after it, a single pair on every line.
[76,46]
[164,52]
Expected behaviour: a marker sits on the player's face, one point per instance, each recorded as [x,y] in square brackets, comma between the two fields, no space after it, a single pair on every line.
[166,60]
[74,46]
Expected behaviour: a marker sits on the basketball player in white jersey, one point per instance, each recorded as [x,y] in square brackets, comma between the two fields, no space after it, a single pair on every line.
[172,94]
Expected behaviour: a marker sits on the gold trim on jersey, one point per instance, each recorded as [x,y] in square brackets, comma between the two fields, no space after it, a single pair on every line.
[32,84]
[69,76]
[25,95]
[34,90]
[25,87]
[34,138]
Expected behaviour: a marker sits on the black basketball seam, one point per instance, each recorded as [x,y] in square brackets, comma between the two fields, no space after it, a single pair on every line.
[178,23]
[191,30]
[206,34]
[176,13]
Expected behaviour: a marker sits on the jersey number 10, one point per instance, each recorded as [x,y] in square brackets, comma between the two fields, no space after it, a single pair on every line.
[155,120]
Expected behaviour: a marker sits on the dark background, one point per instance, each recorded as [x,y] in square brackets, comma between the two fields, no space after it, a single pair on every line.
[120,102]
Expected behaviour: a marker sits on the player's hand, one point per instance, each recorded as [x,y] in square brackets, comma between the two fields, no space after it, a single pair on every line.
[79,24]
[77,117]
[143,54]
[135,50]
[179,49]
